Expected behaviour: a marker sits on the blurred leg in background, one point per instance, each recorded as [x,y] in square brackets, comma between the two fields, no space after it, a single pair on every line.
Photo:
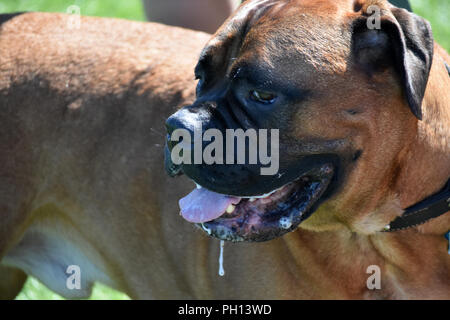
[204,15]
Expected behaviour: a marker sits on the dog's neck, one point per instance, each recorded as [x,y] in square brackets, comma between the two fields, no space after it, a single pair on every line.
[422,170]
[429,154]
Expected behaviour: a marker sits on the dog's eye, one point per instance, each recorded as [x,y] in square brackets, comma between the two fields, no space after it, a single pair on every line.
[262,97]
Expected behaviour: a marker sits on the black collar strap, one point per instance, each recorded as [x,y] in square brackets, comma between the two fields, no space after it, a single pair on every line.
[430,208]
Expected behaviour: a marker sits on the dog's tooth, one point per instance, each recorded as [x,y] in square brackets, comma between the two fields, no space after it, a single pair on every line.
[198,186]
[252,199]
[268,195]
[231,208]
[285,223]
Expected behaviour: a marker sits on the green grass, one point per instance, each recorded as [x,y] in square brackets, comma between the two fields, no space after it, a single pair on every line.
[34,290]
[129,9]
[436,11]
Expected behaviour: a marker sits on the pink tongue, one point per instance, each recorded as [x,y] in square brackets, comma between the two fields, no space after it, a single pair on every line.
[202,205]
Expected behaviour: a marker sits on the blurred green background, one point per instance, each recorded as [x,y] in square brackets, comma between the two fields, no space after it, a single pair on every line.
[436,11]
[129,9]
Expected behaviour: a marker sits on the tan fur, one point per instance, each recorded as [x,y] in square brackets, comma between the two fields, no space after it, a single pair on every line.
[82,181]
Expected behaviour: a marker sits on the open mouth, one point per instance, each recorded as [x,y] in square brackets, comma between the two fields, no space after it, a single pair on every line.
[261,217]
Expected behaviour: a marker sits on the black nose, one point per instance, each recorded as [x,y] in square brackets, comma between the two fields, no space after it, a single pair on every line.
[187,118]
[172,123]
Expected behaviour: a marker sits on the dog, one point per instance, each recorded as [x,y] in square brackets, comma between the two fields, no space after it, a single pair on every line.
[363,119]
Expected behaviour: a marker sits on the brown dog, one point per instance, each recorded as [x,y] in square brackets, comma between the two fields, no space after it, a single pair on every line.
[82,134]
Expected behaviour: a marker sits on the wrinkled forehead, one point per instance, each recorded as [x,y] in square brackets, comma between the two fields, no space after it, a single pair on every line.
[314,33]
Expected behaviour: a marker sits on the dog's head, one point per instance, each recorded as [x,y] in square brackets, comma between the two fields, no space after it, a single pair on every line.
[337,88]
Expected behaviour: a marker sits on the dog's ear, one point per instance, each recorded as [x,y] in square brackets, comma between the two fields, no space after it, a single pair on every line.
[403,40]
